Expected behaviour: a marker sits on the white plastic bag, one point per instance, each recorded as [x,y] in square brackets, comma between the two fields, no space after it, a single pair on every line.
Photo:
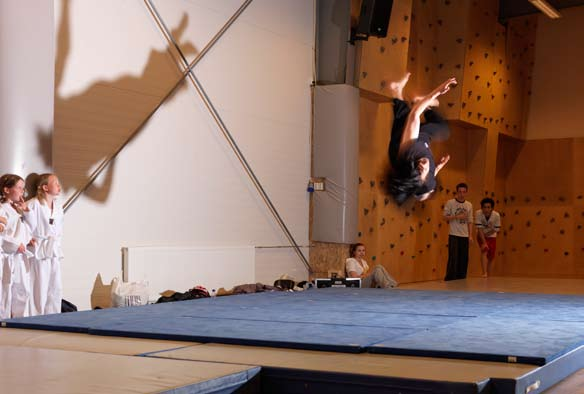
[129,293]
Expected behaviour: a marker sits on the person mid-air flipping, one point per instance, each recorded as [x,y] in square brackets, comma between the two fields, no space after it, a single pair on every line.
[413,169]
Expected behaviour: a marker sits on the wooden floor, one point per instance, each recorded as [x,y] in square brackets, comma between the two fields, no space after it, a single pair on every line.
[504,284]
[46,347]
[85,354]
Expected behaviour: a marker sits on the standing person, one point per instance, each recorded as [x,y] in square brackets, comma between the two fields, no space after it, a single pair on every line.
[45,220]
[488,224]
[357,267]
[5,274]
[458,214]
[14,253]
[413,170]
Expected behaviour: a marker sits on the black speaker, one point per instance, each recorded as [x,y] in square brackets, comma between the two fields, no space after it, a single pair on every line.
[374,18]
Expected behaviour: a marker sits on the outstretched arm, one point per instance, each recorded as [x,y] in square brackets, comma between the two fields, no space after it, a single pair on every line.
[441,164]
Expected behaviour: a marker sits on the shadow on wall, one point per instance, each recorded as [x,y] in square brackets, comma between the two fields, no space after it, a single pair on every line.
[91,125]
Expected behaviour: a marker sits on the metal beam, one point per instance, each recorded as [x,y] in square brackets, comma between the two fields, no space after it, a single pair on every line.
[224,130]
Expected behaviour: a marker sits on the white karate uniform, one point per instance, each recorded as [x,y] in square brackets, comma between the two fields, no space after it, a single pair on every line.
[16,287]
[5,278]
[47,231]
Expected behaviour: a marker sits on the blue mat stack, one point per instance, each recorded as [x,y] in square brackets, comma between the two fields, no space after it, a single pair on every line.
[525,328]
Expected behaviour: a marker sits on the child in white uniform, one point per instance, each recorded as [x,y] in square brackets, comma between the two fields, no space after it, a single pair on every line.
[4,277]
[45,220]
[17,235]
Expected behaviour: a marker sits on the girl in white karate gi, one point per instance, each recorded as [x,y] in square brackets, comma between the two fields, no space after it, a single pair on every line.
[16,286]
[45,220]
[3,277]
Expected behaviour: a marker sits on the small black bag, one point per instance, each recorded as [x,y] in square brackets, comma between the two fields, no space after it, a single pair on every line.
[284,284]
[192,294]
[66,306]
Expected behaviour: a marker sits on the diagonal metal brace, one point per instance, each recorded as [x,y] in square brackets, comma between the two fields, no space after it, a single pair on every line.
[219,121]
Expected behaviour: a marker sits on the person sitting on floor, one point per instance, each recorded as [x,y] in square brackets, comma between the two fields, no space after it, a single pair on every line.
[357,267]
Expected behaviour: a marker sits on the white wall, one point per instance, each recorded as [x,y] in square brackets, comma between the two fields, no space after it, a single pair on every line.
[556,102]
[26,85]
[178,183]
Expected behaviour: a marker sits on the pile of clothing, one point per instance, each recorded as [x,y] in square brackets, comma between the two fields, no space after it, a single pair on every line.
[285,283]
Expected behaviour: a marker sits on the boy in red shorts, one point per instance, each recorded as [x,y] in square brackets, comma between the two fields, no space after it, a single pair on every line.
[488,224]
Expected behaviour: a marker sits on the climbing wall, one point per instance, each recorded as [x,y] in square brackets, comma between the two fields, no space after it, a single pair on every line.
[520,57]
[497,74]
[410,241]
[578,204]
[437,48]
[542,208]
[435,40]
[385,59]
[489,60]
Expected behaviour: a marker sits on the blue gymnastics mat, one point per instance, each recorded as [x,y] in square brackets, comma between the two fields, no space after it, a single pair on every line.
[508,327]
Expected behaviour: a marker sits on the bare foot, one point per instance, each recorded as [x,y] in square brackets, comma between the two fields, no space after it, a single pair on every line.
[397,88]
[484,275]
